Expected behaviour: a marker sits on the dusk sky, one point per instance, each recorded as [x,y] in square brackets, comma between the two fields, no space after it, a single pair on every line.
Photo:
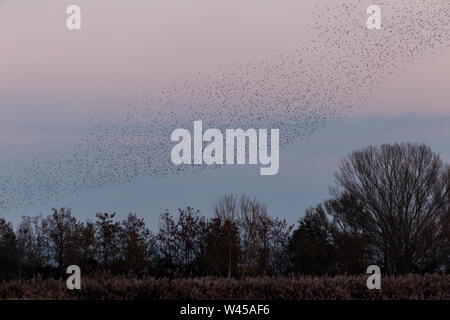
[52,80]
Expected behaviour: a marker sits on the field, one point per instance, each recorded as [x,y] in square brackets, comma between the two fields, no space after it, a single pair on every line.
[105,287]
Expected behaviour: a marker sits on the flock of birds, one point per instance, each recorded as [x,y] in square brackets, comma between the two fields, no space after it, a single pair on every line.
[298,87]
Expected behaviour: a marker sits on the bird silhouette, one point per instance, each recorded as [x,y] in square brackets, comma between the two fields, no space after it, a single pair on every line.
[300,86]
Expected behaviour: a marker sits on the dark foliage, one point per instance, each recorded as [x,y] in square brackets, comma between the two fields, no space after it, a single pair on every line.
[390,207]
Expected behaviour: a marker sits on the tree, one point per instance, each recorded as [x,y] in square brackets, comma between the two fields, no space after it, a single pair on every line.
[181,242]
[61,230]
[279,235]
[86,253]
[32,245]
[350,241]
[402,191]
[167,256]
[261,237]
[224,244]
[222,247]
[255,224]
[107,240]
[190,228]
[446,242]
[264,238]
[9,256]
[134,239]
[311,246]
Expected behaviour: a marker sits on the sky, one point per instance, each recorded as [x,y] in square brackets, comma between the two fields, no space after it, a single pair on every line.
[52,80]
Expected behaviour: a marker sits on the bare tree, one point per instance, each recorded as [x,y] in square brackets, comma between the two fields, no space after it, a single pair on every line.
[181,241]
[226,236]
[32,245]
[167,256]
[61,230]
[190,228]
[134,239]
[261,237]
[255,225]
[402,191]
[107,239]
[9,254]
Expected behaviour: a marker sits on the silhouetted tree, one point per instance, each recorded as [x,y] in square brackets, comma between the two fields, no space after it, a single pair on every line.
[107,233]
[135,239]
[167,256]
[261,237]
[86,255]
[62,232]
[180,242]
[351,243]
[190,228]
[279,235]
[403,192]
[33,246]
[9,258]
[227,238]
[311,246]
[445,252]
[222,251]
[255,225]
[390,206]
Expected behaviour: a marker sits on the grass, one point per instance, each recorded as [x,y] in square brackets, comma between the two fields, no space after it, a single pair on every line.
[106,287]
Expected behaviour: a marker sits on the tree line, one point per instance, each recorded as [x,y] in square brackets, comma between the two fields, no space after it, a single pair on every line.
[389,206]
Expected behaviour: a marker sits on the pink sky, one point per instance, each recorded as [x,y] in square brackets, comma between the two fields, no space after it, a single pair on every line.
[52,78]
[130,47]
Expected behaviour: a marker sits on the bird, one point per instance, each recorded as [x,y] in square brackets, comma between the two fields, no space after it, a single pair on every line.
[298,85]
